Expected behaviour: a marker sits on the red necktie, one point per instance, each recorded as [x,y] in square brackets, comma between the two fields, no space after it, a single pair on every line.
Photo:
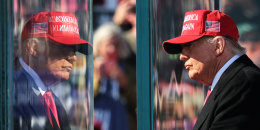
[50,105]
[208,93]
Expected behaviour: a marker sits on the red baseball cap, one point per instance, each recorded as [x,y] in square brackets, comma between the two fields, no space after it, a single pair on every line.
[201,23]
[60,27]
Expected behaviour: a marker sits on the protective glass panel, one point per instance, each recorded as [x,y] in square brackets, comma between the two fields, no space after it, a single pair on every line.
[177,98]
[53,64]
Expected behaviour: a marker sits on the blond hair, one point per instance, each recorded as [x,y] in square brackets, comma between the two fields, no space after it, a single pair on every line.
[109,30]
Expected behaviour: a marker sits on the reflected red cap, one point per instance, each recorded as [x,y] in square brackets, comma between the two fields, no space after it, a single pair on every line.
[201,23]
[59,27]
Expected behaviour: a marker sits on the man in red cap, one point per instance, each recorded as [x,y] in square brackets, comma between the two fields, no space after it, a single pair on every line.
[209,47]
[49,43]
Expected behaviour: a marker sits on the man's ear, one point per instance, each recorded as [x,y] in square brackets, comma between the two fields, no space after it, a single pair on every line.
[219,44]
[32,47]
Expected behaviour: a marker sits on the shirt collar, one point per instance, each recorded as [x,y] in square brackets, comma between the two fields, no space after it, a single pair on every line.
[222,70]
[42,88]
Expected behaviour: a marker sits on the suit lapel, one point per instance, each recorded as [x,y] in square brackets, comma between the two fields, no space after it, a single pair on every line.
[232,70]
[225,78]
[34,101]
[28,101]
[34,98]
[62,114]
[208,107]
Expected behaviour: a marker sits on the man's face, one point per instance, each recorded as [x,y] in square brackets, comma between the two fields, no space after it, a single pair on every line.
[199,60]
[60,61]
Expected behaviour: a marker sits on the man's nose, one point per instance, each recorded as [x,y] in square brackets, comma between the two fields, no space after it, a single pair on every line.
[72,58]
[184,56]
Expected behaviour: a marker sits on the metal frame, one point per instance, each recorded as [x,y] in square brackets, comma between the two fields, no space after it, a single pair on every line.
[144,65]
[6,40]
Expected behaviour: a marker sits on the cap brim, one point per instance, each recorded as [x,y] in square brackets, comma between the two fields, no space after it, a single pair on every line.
[82,46]
[173,46]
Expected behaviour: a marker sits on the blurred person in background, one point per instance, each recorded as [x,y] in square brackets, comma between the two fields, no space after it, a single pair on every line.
[209,47]
[49,43]
[111,78]
[251,41]
[125,17]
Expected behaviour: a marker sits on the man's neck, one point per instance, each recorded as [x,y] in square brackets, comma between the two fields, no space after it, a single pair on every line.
[220,62]
[47,79]
[223,68]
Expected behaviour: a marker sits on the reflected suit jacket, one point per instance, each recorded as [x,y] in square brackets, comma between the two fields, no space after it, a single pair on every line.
[234,102]
[28,110]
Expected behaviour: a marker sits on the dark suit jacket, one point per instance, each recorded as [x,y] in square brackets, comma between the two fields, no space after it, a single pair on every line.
[234,102]
[29,113]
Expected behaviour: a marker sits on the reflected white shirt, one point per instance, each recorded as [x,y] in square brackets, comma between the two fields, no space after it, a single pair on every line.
[42,88]
[222,70]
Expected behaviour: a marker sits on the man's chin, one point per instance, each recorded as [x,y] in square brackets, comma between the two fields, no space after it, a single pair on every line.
[54,78]
[193,76]
[63,77]
[60,78]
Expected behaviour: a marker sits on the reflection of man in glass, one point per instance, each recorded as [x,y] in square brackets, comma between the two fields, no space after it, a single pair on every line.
[209,47]
[49,43]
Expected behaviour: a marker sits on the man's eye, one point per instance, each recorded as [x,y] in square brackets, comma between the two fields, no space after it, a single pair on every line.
[186,45]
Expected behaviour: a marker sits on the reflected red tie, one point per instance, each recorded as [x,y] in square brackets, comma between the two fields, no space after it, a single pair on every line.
[208,93]
[50,105]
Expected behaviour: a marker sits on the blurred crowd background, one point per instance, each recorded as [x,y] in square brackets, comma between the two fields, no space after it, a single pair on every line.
[114,51]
